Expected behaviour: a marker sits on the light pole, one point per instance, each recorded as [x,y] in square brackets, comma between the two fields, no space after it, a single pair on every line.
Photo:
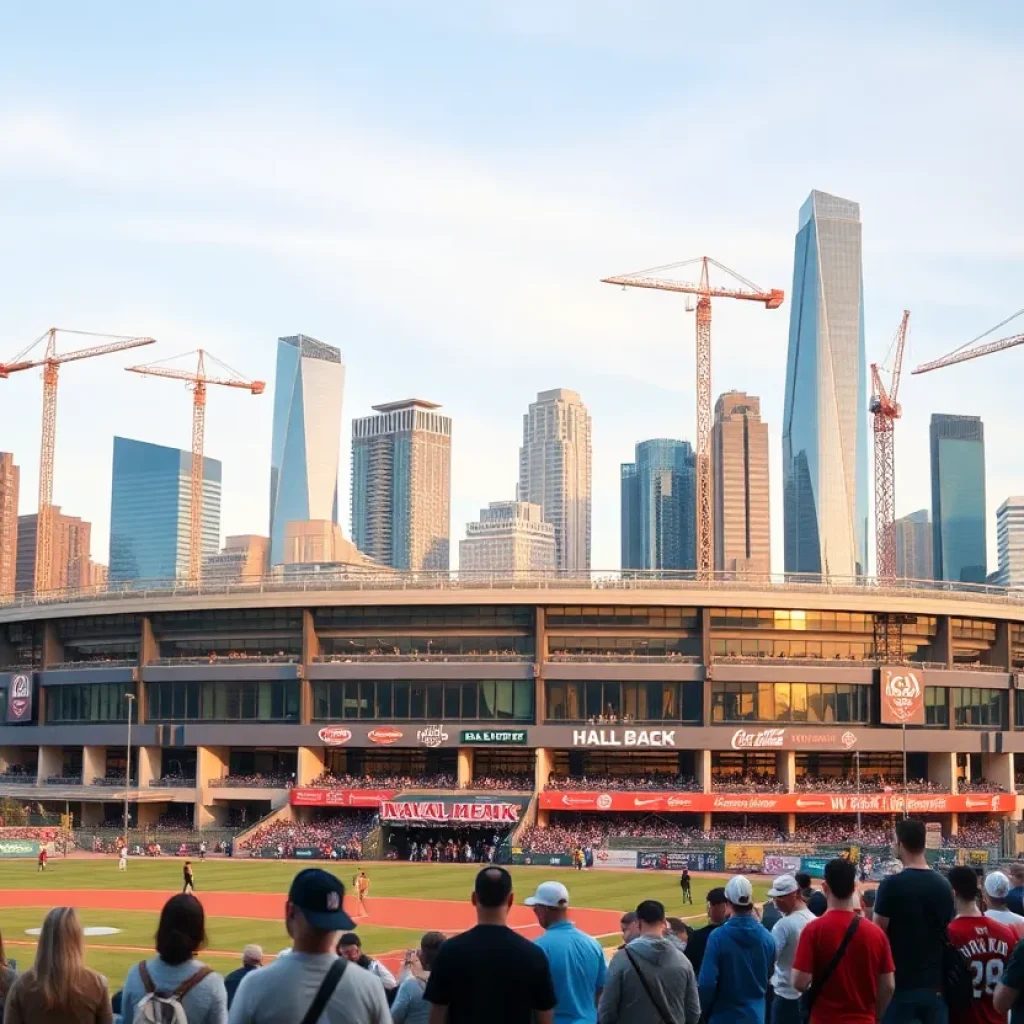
[856,757]
[130,697]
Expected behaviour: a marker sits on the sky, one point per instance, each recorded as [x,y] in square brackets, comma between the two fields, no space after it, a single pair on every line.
[438,189]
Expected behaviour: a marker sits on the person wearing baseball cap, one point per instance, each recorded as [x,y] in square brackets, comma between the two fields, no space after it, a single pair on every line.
[718,910]
[997,888]
[312,974]
[739,960]
[577,963]
[789,899]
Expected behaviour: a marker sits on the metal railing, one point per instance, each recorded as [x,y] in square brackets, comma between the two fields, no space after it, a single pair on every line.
[626,658]
[433,657]
[96,663]
[229,659]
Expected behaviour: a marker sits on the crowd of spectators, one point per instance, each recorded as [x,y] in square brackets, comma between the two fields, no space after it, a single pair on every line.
[19,774]
[981,785]
[649,781]
[974,835]
[175,781]
[440,780]
[63,779]
[572,831]
[338,835]
[870,782]
[513,781]
[397,654]
[112,778]
[255,780]
[748,782]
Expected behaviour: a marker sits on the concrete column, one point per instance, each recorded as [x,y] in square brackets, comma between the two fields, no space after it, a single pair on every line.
[1000,653]
[94,764]
[310,764]
[785,769]
[542,769]
[310,652]
[53,648]
[954,824]
[149,766]
[703,761]
[790,823]
[705,641]
[540,657]
[149,649]
[998,768]
[943,641]
[543,817]
[465,778]
[92,813]
[942,770]
[706,822]
[209,816]
[51,762]
[211,763]
[147,814]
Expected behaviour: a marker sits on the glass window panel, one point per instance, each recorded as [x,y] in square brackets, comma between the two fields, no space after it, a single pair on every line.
[487,699]
[435,700]
[417,700]
[470,701]
[401,700]
[451,700]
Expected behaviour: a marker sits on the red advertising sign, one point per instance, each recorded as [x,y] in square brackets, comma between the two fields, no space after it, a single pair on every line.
[902,696]
[368,798]
[779,803]
[441,811]
[334,735]
[385,737]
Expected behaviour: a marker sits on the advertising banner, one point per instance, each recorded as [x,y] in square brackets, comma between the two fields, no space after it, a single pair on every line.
[19,699]
[781,864]
[932,835]
[902,695]
[743,857]
[307,853]
[19,848]
[493,737]
[544,860]
[972,857]
[676,860]
[265,853]
[615,858]
[444,812]
[814,866]
[368,798]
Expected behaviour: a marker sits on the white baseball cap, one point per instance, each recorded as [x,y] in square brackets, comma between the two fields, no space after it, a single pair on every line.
[997,885]
[739,891]
[783,886]
[549,894]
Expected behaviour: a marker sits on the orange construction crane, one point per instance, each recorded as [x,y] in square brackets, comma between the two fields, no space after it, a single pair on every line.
[885,411]
[965,352]
[196,382]
[51,362]
[772,300]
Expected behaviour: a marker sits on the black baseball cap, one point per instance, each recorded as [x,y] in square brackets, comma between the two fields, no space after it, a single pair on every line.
[321,898]
[716,896]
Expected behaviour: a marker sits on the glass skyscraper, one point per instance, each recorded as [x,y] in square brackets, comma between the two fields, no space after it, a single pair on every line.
[308,388]
[151,511]
[659,507]
[958,498]
[825,427]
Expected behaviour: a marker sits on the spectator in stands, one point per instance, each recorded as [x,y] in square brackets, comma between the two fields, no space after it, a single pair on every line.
[788,898]
[862,981]
[7,977]
[629,925]
[577,963]
[650,981]
[997,889]
[284,991]
[867,902]
[491,972]
[913,909]
[813,898]
[678,933]
[350,946]
[409,1006]
[1015,897]
[252,960]
[180,934]
[59,988]
[738,962]
[718,912]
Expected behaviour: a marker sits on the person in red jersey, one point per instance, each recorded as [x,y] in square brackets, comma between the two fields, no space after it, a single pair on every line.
[984,943]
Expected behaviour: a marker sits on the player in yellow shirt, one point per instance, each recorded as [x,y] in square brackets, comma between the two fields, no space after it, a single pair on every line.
[361,885]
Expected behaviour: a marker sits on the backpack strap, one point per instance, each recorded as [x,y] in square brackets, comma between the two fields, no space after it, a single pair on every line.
[326,990]
[190,983]
[147,981]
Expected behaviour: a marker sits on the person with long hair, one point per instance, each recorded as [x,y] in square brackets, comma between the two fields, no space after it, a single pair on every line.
[59,988]
[409,1007]
[174,971]
[6,978]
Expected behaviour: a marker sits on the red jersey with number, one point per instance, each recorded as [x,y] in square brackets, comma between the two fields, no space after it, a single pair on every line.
[986,946]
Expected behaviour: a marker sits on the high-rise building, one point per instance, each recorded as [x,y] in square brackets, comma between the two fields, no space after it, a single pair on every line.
[555,472]
[958,498]
[320,542]
[309,386]
[509,536]
[244,557]
[659,492]
[9,481]
[824,429]
[739,455]
[401,485]
[1010,541]
[914,546]
[151,511]
[72,543]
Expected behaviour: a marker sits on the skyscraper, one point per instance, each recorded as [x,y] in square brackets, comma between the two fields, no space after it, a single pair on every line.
[958,498]
[151,511]
[401,485]
[308,389]
[659,490]
[1010,539]
[824,429]
[9,481]
[739,455]
[555,472]
[914,546]
[72,544]
[509,536]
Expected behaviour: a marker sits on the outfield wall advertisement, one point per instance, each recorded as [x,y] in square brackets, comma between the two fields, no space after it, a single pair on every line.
[676,860]
[615,858]
[19,848]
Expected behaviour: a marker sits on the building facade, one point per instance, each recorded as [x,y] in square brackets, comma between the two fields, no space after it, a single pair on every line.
[72,545]
[10,477]
[244,556]
[309,386]
[151,511]
[660,498]
[509,536]
[824,430]
[959,547]
[401,485]
[914,546]
[1010,541]
[739,455]
[555,472]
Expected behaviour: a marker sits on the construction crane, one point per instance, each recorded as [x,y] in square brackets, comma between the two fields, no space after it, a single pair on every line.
[772,299]
[51,362]
[197,381]
[885,411]
[965,352]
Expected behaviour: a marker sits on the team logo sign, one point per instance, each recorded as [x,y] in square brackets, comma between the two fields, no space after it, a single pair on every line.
[19,699]
[335,735]
[902,697]
[432,736]
[384,737]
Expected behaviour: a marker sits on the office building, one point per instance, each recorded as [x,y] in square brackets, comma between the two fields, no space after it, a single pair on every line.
[401,485]
[10,477]
[510,536]
[1010,541]
[659,502]
[151,511]
[739,455]
[958,498]
[72,542]
[555,472]
[309,384]
[243,557]
[824,429]
[914,546]
[320,542]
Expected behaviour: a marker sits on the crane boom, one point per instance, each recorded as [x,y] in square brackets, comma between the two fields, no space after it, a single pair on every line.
[972,353]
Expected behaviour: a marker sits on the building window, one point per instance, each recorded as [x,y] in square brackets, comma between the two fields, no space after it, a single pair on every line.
[624,702]
[977,708]
[608,615]
[480,700]
[223,701]
[936,706]
[90,702]
[821,703]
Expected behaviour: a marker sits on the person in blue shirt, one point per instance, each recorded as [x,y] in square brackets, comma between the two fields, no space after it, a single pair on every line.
[577,962]
[738,963]
[1015,897]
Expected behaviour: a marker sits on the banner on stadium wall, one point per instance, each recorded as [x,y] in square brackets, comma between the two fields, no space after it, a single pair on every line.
[972,857]
[615,858]
[368,798]
[676,860]
[814,866]
[307,853]
[932,835]
[19,848]
[264,853]
[902,695]
[781,864]
[552,860]
[743,856]
[458,812]
[19,698]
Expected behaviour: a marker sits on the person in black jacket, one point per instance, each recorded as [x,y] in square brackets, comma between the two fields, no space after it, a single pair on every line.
[718,911]
[252,960]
